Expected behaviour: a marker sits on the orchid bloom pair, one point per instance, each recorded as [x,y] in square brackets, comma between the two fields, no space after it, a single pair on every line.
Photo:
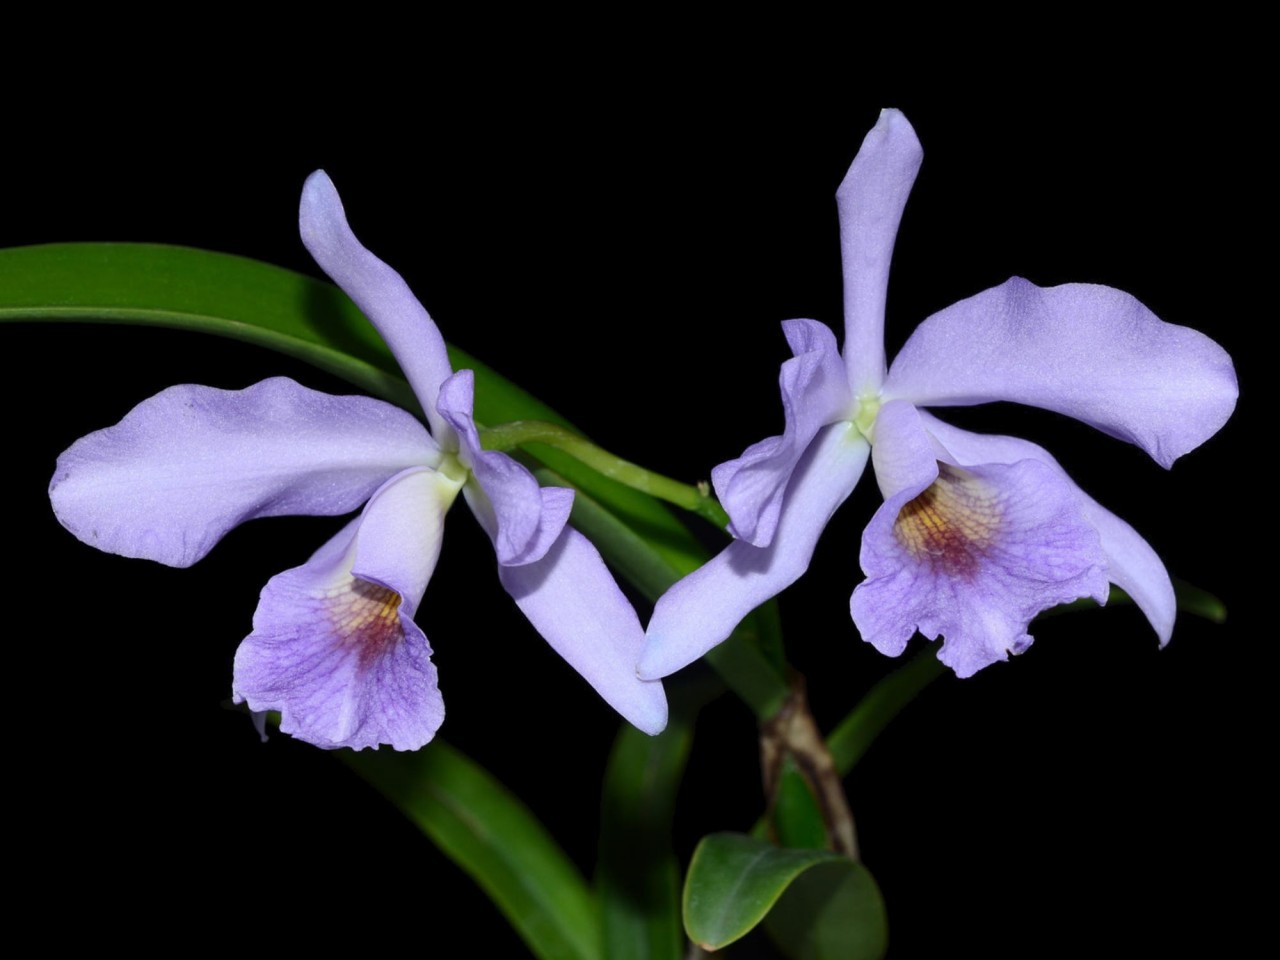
[977,534]
[334,646]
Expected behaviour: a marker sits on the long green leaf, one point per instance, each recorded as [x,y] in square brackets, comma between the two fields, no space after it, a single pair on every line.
[494,838]
[638,879]
[734,880]
[187,289]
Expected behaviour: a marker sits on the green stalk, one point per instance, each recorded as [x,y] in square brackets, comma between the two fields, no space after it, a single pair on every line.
[521,433]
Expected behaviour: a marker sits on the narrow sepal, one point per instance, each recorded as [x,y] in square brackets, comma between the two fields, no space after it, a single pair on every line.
[572,599]
[870,200]
[378,290]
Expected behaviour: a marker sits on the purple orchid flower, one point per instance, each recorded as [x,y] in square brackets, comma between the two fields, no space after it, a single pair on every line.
[334,646]
[977,534]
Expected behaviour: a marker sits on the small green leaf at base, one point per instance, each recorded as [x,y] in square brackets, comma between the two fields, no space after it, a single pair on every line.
[832,911]
[735,880]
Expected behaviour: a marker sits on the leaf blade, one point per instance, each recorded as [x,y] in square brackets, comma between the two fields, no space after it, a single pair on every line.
[494,838]
[638,878]
[734,880]
[833,911]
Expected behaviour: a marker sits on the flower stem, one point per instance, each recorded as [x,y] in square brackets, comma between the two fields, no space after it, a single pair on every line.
[521,433]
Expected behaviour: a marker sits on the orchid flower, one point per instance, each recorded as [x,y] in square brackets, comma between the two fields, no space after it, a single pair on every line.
[977,534]
[335,647]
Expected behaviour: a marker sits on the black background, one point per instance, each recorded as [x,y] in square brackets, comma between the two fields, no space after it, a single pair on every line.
[626,255]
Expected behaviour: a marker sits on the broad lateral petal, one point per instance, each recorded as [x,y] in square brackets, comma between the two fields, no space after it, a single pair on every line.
[512,509]
[338,655]
[871,200]
[185,466]
[1089,351]
[974,558]
[571,598]
[1132,564]
[702,609]
[378,290]
[815,392]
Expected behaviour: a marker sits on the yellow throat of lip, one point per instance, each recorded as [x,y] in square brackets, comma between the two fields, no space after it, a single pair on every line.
[367,615]
[952,524]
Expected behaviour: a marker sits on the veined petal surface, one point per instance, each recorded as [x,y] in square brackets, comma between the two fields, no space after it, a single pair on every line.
[815,392]
[703,608]
[185,466]
[973,558]
[871,200]
[1089,351]
[572,599]
[378,290]
[1132,564]
[337,652]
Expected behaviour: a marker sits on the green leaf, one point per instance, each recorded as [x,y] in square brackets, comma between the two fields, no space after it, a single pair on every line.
[734,880]
[797,816]
[187,289]
[1201,603]
[494,838]
[1190,599]
[833,911]
[638,878]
